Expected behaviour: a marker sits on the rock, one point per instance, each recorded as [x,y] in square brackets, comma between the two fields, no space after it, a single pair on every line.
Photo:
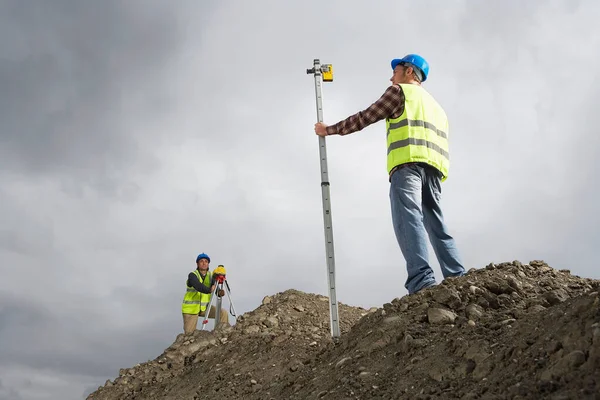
[342,361]
[576,358]
[267,300]
[536,308]
[474,290]
[392,319]
[197,346]
[440,316]
[379,344]
[435,375]
[498,287]
[555,297]
[596,335]
[515,284]
[482,302]
[251,329]
[271,322]
[474,311]
[448,297]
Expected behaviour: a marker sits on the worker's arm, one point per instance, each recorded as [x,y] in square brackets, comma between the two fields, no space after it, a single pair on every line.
[390,104]
[194,282]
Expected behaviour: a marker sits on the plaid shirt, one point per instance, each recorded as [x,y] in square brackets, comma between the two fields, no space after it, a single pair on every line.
[389,105]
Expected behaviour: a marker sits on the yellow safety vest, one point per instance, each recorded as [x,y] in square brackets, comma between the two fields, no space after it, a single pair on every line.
[420,134]
[194,301]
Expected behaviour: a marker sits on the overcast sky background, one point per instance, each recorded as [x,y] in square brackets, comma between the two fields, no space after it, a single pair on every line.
[136,134]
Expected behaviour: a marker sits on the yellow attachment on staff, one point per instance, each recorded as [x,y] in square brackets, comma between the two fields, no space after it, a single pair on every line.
[327,73]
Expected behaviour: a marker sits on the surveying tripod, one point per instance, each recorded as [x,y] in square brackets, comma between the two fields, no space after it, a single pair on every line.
[325,72]
[221,281]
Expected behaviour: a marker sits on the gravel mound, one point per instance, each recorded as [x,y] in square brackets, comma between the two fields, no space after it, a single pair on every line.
[506,331]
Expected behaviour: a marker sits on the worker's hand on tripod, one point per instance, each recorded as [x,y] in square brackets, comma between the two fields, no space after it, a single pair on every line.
[321,129]
[212,288]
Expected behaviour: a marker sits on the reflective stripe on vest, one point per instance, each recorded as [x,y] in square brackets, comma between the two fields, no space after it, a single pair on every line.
[194,301]
[420,134]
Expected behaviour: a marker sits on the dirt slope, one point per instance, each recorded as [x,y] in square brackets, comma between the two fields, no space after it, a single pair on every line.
[507,331]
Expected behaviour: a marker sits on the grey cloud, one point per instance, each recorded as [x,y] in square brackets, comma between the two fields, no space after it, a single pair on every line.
[22,233]
[8,393]
[75,77]
[69,344]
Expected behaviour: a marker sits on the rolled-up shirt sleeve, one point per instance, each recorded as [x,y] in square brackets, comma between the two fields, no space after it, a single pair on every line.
[390,104]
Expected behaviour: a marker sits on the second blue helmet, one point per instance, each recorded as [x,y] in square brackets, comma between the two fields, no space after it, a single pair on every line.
[202,256]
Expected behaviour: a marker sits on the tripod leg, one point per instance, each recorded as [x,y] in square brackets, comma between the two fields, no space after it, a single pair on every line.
[207,311]
[231,307]
[218,307]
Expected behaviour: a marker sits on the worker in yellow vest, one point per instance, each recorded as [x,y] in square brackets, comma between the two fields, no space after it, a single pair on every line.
[418,161]
[199,286]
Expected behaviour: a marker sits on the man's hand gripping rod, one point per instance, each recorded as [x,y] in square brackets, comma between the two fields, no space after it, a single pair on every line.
[325,72]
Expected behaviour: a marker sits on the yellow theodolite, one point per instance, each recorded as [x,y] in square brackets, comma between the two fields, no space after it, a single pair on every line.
[220,271]
[220,277]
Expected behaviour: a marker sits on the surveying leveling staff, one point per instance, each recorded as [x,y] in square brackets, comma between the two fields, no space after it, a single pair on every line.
[417,163]
[200,284]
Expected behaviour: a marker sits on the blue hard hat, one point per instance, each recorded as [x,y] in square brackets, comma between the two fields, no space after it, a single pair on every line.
[201,256]
[415,60]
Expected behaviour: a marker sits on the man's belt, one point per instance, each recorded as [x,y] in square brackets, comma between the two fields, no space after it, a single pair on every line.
[397,167]
[424,165]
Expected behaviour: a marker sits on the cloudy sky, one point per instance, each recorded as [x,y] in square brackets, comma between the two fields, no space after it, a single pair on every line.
[136,134]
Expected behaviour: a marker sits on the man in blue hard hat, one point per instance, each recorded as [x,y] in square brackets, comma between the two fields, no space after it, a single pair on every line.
[199,286]
[417,163]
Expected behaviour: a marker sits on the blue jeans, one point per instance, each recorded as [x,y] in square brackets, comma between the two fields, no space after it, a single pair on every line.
[415,193]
